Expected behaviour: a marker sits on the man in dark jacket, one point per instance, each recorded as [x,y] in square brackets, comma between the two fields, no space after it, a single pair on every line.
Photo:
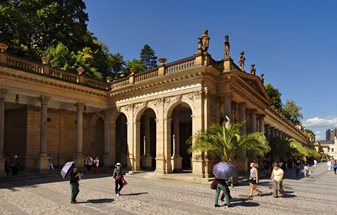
[74,178]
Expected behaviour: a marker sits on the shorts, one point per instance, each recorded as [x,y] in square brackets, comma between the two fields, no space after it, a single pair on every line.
[252,180]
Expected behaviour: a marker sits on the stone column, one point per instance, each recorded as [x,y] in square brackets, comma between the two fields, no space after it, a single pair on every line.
[3,93]
[253,122]
[176,158]
[43,157]
[109,138]
[79,135]
[242,111]
[268,132]
[147,158]
[228,106]
[261,123]
[136,146]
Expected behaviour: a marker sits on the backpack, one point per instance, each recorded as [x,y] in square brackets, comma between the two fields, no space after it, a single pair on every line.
[214,184]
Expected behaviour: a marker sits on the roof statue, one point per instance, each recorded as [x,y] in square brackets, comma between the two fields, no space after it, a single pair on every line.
[262,78]
[242,61]
[227,46]
[252,69]
[203,42]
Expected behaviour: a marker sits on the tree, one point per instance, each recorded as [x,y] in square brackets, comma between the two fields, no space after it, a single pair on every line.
[117,64]
[33,28]
[311,135]
[275,96]
[148,57]
[226,142]
[135,65]
[292,112]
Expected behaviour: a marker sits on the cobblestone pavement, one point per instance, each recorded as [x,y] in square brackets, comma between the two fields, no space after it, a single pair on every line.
[314,195]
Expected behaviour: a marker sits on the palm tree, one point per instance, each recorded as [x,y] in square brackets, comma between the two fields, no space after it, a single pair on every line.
[226,142]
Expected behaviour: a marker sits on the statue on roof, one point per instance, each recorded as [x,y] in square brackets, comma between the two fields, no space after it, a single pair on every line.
[242,61]
[262,78]
[252,69]
[227,46]
[203,41]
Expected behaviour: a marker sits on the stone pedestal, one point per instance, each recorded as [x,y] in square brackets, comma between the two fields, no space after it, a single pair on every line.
[198,167]
[42,161]
[160,163]
[147,162]
[177,165]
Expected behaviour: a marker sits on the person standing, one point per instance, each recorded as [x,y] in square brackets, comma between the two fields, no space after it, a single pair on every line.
[222,186]
[88,162]
[15,165]
[315,163]
[74,179]
[335,167]
[7,164]
[306,169]
[118,178]
[50,163]
[277,180]
[254,180]
[96,163]
[329,165]
[297,167]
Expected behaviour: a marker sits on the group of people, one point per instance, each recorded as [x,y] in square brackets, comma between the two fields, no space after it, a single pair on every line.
[89,163]
[11,164]
[75,177]
[277,176]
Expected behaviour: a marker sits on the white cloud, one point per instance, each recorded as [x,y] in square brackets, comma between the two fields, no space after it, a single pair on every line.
[318,132]
[320,122]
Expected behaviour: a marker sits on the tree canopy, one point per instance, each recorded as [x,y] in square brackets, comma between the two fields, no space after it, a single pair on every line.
[290,110]
[226,142]
[148,57]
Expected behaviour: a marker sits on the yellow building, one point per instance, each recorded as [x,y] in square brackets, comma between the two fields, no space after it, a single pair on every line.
[142,120]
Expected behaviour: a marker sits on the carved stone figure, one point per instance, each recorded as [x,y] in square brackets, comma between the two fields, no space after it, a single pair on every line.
[227,46]
[262,78]
[204,41]
[242,61]
[252,69]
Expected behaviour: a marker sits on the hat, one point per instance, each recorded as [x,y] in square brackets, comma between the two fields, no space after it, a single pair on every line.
[118,164]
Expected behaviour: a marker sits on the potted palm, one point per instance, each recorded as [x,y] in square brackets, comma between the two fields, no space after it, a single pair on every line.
[226,143]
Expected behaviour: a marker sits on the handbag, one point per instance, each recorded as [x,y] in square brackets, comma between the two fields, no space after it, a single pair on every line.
[125,183]
[214,184]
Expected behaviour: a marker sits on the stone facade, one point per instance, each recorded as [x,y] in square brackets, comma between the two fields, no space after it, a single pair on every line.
[143,120]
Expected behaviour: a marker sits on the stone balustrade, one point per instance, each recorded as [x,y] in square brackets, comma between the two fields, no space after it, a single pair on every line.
[180,65]
[45,70]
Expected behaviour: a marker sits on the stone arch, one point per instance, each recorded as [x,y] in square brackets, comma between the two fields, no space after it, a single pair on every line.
[139,112]
[94,119]
[121,139]
[171,106]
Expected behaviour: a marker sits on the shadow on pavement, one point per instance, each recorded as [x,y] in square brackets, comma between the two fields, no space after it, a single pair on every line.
[135,194]
[99,201]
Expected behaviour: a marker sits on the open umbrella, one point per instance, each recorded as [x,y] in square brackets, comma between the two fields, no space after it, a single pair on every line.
[223,170]
[66,168]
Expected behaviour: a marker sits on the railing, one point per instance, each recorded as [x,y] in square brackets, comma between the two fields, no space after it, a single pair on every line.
[120,83]
[146,75]
[24,65]
[180,65]
[48,71]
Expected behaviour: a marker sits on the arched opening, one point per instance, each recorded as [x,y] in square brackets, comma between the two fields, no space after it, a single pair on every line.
[97,148]
[181,128]
[121,140]
[147,140]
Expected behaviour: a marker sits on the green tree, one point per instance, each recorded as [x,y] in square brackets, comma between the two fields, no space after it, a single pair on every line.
[58,56]
[117,64]
[292,112]
[274,95]
[226,142]
[135,65]
[148,57]
[311,135]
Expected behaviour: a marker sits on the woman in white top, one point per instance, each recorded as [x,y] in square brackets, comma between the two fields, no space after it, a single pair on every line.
[277,179]
[254,180]
[96,162]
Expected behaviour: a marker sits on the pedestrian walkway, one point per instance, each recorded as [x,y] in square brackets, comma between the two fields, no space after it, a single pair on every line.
[314,195]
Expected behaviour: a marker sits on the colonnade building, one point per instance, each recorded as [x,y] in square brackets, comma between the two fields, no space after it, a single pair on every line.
[142,121]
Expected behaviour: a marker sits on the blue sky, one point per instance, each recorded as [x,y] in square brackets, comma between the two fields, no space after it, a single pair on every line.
[294,43]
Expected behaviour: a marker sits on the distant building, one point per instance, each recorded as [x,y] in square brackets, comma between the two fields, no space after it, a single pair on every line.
[328,147]
[331,134]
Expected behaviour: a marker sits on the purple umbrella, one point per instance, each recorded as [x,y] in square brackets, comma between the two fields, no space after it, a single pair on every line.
[223,170]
